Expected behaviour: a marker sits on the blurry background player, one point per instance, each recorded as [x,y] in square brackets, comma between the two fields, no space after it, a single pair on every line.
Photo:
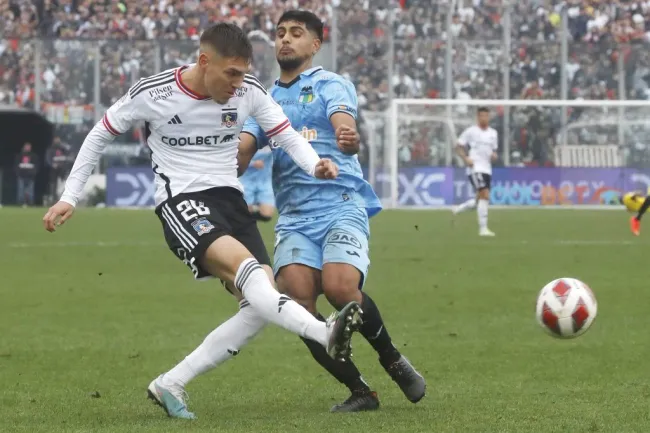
[323,230]
[639,203]
[27,167]
[477,146]
[258,186]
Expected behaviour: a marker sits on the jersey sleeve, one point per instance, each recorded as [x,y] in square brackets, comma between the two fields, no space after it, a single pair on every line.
[495,144]
[118,119]
[340,97]
[464,138]
[275,125]
[251,127]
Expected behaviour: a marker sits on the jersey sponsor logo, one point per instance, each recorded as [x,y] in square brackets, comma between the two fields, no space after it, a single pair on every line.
[161,93]
[202,226]
[306,95]
[241,92]
[229,117]
[208,140]
[228,137]
[309,134]
[344,239]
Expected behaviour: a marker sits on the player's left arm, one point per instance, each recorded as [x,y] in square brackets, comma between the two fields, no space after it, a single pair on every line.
[341,104]
[274,123]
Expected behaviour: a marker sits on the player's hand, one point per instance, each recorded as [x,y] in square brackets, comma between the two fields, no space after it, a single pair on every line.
[258,164]
[348,139]
[326,169]
[57,215]
[469,162]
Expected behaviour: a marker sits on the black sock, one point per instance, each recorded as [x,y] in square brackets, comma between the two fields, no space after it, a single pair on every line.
[375,332]
[644,208]
[345,372]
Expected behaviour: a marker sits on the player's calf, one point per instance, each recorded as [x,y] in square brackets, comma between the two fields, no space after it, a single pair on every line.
[482,211]
[342,281]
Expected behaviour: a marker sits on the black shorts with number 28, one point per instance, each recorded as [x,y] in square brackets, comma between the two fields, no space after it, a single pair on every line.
[480,181]
[192,221]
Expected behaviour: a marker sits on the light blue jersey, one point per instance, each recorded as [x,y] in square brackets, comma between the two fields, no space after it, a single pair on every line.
[257,183]
[321,221]
[309,102]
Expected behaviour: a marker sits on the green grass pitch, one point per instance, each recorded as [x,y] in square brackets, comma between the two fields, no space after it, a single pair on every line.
[90,314]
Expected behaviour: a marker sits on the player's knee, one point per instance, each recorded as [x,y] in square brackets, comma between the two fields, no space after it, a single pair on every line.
[484,194]
[342,287]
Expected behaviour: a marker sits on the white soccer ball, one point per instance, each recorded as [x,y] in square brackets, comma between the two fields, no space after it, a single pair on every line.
[566,308]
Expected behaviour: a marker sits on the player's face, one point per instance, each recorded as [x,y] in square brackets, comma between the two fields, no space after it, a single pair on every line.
[222,76]
[294,45]
[483,119]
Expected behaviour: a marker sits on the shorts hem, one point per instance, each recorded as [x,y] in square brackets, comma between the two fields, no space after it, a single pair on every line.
[276,269]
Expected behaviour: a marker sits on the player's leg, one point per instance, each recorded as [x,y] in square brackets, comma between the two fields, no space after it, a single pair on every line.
[345,266]
[234,260]
[483,187]
[297,260]
[635,222]
[471,203]
[228,259]
[181,217]
[225,342]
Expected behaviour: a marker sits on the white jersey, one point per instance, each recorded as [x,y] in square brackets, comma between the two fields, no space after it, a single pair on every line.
[481,143]
[192,138]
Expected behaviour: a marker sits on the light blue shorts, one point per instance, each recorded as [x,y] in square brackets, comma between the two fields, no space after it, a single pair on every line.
[256,193]
[338,237]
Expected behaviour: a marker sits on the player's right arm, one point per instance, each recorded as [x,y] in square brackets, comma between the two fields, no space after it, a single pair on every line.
[118,119]
[462,144]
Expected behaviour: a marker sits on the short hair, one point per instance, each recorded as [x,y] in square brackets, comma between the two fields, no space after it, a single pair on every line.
[483,109]
[228,40]
[309,19]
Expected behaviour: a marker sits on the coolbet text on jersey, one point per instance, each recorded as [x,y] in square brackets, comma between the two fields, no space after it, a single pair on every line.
[193,140]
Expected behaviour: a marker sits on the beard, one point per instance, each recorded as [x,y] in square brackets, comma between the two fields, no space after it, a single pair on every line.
[291,63]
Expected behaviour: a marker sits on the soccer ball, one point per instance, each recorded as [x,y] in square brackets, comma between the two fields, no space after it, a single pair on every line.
[566,308]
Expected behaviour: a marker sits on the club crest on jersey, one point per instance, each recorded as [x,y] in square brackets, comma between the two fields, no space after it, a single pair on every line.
[306,95]
[202,226]
[229,117]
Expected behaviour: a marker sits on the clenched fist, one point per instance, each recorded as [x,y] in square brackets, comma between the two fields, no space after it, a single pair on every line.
[347,139]
[326,169]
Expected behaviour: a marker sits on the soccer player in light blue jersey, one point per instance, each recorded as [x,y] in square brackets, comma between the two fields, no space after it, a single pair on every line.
[258,187]
[322,232]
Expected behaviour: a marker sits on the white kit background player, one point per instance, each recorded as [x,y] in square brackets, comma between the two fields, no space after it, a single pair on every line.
[193,117]
[477,146]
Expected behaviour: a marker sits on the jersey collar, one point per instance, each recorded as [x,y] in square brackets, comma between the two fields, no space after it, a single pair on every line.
[308,73]
[186,89]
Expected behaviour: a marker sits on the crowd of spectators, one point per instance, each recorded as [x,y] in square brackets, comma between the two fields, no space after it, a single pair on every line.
[135,38]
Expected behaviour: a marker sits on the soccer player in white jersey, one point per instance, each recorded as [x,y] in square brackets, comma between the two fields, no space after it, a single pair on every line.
[193,116]
[477,146]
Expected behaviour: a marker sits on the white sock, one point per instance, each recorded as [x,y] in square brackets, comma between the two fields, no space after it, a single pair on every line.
[219,346]
[254,284]
[468,205]
[482,213]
